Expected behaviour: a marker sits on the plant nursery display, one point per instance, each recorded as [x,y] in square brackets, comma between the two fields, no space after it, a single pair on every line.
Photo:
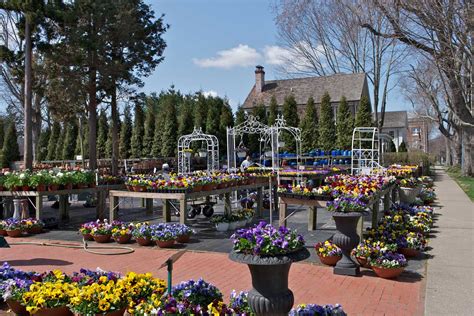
[19,227]
[388,264]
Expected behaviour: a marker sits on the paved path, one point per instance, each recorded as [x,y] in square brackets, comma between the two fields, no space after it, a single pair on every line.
[366,295]
[450,281]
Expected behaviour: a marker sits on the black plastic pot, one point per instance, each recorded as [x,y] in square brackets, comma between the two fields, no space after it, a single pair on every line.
[270,294]
[347,239]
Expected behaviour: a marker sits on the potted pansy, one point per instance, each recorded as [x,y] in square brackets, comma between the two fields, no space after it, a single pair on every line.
[13,283]
[369,249]
[144,293]
[328,253]
[13,182]
[14,227]
[317,310]
[202,153]
[142,234]
[163,235]
[197,293]
[86,230]
[347,211]
[221,222]
[408,190]
[122,234]
[183,233]
[3,224]
[269,252]
[389,264]
[239,303]
[32,225]
[102,232]
[412,244]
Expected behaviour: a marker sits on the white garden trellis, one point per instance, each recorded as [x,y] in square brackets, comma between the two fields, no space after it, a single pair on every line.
[184,155]
[365,150]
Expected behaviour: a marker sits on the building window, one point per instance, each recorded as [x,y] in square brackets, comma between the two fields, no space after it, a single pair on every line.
[415,131]
[391,133]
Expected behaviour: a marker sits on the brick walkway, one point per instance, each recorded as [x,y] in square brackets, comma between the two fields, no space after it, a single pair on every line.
[366,295]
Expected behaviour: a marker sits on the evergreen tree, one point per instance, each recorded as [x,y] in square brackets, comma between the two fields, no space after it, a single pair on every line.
[102,134]
[402,148]
[254,144]
[42,148]
[149,131]
[158,136]
[364,113]
[309,127]
[345,125]
[53,141]
[70,141]
[239,119]
[169,137]
[138,132]
[58,154]
[2,132]
[109,145]
[226,120]
[212,120]
[327,129]
[186,119]
[391,147]
[125,134]
[10,150]
[272,111]
[290,114]
[200,112]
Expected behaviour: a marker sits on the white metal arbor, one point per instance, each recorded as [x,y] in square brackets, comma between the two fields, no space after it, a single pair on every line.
[365,150]
[212,143]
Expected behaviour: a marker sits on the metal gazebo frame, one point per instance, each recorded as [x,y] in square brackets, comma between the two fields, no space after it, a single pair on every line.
[184,162]
[365,150]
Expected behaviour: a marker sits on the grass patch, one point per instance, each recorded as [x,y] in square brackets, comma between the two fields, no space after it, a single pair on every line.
[466,183]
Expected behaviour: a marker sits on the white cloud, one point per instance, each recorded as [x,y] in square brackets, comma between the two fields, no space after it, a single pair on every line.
[240,56]
[276,55]
[210,93]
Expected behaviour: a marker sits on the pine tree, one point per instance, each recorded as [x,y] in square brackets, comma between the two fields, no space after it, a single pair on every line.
[402,148]
[327,129]
[272,111]
[10,150]
[200,112]
[42,148]
[212,120]
[125,134]
[186,119]
[309,127]
[108,147]
[2,132]
[70,141]
[169,137]
[290,114]
[226,120]
[53,141]
[58,155]
[345,125]
[364,113]
[137,133]
[102,134]
[391,147]
[158,135]
[149,131]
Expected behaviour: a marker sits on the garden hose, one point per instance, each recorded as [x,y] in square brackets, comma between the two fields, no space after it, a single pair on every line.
[85,246]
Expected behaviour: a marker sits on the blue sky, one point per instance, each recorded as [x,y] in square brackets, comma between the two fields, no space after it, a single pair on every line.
[214,45]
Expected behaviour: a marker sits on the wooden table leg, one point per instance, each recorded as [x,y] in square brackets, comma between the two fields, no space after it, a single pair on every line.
[312,217]
[166,210]
[149,206]
[282,220]
[142,203]
[183,209]
[227,204]
[113,207]
[64,207]
[259,201]
[275,198]
[100,207]
[39,206]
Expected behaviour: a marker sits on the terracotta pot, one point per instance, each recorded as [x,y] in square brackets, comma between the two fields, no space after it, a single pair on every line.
[330,261]
[408,252]
[123,239]
[221,186]
[119,312]
[2,188]
[363,262]
[129,187]
[53,187]
[87,237]
[14,233]
[143,241]
[346,238]
[184,239]
[41,187]
[17,308]
[102,238]
[82,186]
[35,230]
[387,273]
[139,188]
[92,185]
[165,244]
[207,187]
[3,232]
[68,186]
[26,188]
[56,311]
[197,188]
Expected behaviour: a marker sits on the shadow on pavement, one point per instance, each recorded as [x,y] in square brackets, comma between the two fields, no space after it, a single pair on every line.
[39,262]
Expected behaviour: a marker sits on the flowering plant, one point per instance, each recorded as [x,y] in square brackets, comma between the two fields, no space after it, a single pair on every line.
[102,228]
[409,182]
[317,310]
[123,230]
[264,239]
[86,228]
[87,277]
[389,259]
[49,294]
[142,230]
[162,232]
[197,292]
[31,222]
[371,249]
[327,249]
[143,290]
[182,230]
[13,282]
[216,219]
[13,224]
[346,204]
[239,303]
[412,240]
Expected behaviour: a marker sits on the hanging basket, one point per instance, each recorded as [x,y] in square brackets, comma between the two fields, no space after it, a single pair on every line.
[241,154]
[187,154]
[281,144]
[202,154]
[268,153]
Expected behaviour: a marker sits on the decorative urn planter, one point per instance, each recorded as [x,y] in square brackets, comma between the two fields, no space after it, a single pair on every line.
[347,239]
[408,195]
[270,294]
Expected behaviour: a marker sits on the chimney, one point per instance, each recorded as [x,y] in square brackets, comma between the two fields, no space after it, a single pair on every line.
[259,78]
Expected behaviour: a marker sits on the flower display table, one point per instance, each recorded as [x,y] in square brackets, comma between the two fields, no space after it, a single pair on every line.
[183,197]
